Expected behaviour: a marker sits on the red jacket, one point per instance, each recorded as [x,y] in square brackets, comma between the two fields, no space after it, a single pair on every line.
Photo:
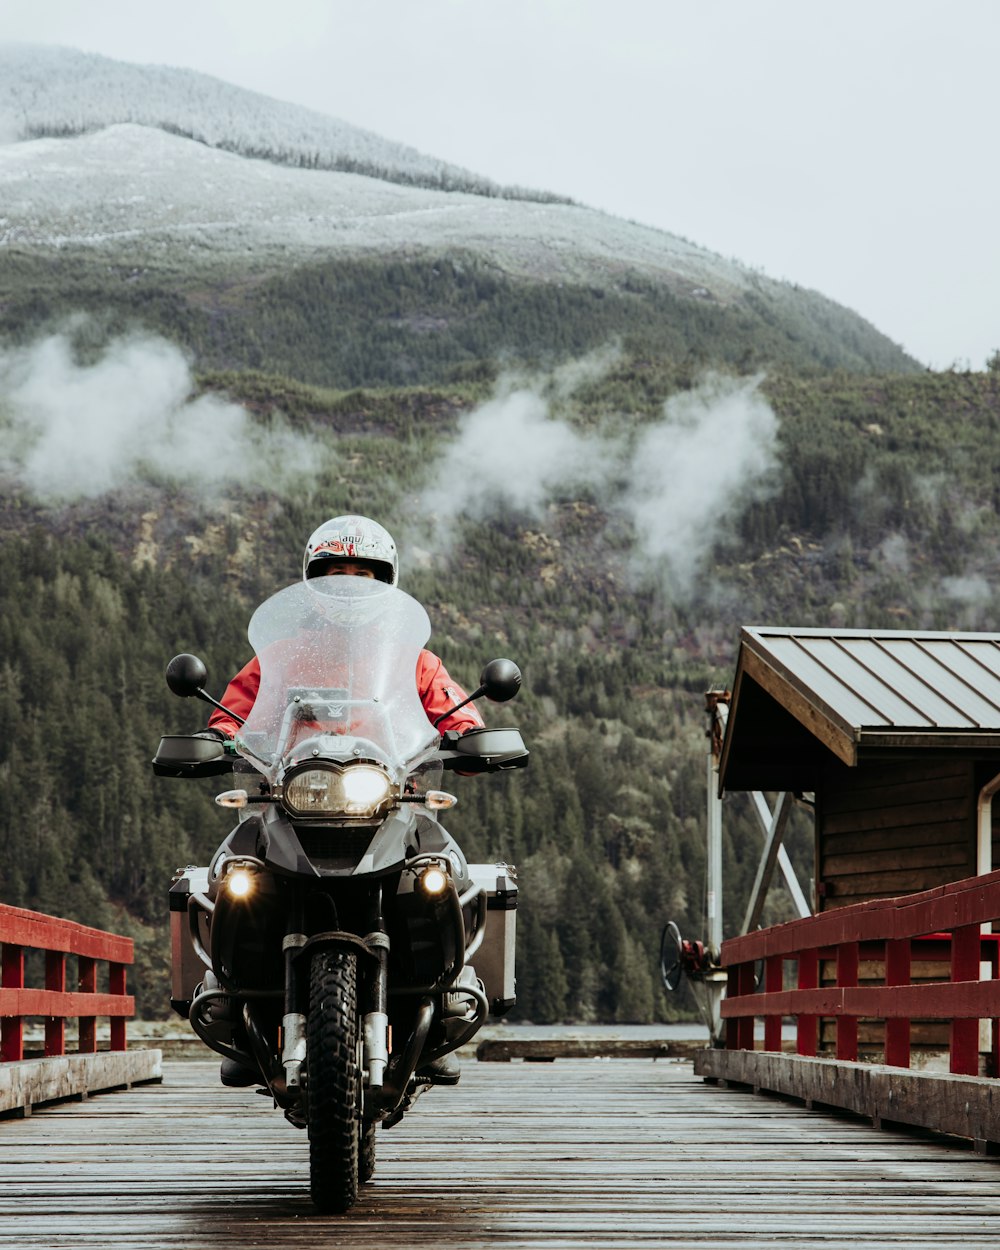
[437,693]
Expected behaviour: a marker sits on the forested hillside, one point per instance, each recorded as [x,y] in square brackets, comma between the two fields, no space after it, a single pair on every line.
[365,322]
[879,509]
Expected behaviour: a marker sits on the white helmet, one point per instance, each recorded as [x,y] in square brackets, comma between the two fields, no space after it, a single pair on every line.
[355,538]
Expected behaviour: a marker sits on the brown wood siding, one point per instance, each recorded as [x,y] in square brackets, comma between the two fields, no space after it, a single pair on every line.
[885,829]
[984,777]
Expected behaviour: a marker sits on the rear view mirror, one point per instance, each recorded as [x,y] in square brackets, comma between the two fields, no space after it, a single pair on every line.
[186,676]
[500,681]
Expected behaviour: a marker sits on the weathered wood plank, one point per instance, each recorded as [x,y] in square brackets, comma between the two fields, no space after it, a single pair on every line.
[943,815]
[897,783]
[893,884]
[29,1083]
[40,1003]
[868,864]
[894,839]
[937,1000]
[583,1153]
[941,908]
[965,1106]
[33,929]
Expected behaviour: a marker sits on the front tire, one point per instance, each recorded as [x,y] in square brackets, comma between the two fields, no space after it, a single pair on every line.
[334,1078]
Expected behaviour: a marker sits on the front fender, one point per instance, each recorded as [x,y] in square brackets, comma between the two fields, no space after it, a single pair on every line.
[312,849]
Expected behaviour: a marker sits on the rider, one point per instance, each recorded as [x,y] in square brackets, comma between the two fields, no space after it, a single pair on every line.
[358,547]
[355,546]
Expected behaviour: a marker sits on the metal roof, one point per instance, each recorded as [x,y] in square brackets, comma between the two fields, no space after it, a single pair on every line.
[856,690]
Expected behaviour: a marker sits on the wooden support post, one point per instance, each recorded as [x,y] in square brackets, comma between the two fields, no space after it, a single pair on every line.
[769,857]
[807,1027]
[116,985]
[847,1026]
[897,1032]
[87,982]
[12,1027]
[55,979]
[965,943]
[774,972]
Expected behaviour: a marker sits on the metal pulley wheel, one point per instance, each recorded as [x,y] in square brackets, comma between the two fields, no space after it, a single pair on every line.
[671,956]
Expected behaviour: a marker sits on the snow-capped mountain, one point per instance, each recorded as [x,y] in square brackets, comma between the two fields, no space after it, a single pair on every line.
[179,174]
[142,193]
[46,91]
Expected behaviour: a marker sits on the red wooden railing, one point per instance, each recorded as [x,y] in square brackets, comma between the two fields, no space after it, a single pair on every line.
[28,930]
[892,931]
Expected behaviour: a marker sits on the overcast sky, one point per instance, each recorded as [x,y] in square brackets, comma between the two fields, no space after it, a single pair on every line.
[846,145]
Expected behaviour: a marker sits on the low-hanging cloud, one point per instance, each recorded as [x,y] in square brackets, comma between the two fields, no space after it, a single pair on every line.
[679,481]
[509,453]
[73,431]
[695,470]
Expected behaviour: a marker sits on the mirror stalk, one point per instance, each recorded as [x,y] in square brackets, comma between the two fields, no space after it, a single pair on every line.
[207,698]
[186,676]
[500,681]
[476,694]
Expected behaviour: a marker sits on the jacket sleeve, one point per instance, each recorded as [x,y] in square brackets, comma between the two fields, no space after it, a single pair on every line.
[438,693]
[239,698]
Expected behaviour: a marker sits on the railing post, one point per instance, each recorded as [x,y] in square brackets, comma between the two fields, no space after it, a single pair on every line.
[55,1026]
[87,981]
[739,1029]
[965,943]
[808,979]
[12,1028]
[848,957]
[774,977]
[117,985]
[746,986]
[897,1031]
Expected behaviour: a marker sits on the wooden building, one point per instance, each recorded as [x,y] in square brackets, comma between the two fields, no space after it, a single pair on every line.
[896,734]
[894,983]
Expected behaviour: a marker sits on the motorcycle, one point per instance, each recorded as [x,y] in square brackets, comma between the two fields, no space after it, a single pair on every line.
[326,951]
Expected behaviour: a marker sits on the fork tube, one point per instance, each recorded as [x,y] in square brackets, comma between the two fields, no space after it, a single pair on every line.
[293,1022]
[377,1019]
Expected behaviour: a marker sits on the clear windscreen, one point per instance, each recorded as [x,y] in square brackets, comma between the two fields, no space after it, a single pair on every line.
[338,660]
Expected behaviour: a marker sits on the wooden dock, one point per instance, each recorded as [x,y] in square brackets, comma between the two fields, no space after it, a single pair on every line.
[589,1153]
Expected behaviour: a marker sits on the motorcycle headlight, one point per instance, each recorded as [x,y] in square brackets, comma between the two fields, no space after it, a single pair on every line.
[357,790]
[364,787]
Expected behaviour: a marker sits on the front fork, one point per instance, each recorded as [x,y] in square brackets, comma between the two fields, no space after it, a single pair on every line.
[375,1027]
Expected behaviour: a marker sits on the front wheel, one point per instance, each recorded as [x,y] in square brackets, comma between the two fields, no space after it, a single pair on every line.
[333,1073]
